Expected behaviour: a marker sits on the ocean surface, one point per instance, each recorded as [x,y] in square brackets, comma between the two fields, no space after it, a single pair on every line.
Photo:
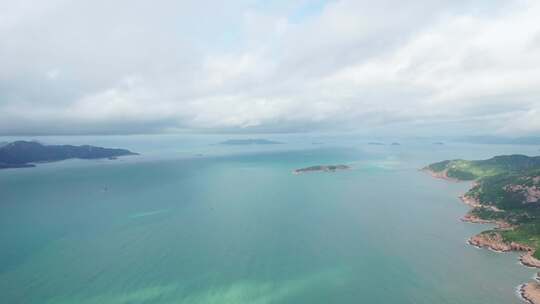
[189,221]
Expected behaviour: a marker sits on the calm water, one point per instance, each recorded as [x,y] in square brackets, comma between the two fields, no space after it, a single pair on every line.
[191,222]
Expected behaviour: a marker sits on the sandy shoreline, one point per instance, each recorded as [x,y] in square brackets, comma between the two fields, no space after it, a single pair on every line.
[492,240]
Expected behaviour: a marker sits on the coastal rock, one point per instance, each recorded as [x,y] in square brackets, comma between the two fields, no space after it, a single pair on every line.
[441,174]
[530,292]
[471,218]
[491,240]
[494,241]
[474,203]
[529,260]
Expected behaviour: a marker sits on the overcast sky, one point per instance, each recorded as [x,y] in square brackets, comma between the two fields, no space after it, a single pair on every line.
[426,67]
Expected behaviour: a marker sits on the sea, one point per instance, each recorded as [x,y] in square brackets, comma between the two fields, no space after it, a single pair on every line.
[192,221]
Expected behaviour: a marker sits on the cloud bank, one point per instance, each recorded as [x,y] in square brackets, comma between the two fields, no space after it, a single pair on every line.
[411,67]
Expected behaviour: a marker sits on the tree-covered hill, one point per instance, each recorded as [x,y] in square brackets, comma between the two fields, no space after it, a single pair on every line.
[19,154]
[506,188]
[473,169]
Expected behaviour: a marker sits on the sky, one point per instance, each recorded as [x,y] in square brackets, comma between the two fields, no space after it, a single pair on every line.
[418,67]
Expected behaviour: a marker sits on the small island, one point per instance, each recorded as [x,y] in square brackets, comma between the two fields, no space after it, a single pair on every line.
[505,192]
[374,143]
[24,154]
[328,168]
[251,141]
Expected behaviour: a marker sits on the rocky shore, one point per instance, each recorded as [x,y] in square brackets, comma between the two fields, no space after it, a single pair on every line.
[471,218]
[474,203]
[440,175]
[530,292]
[528,260]
[493,240]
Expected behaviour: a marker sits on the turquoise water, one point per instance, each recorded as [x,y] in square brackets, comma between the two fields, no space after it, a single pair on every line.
[192,222]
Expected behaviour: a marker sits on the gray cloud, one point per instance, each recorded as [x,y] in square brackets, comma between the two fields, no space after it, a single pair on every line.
[246,66]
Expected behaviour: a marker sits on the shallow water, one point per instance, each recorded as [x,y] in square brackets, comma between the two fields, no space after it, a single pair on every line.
[192,222]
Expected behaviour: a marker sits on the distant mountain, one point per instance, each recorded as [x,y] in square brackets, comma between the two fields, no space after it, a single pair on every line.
[529,140]
[374,143]
[22,154]
[249,142]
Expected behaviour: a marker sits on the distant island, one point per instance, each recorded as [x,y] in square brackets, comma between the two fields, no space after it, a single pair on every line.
[505,192]
[528,140]
[23,154]
[395,144]
[328,168]
[240,142]
[373,143]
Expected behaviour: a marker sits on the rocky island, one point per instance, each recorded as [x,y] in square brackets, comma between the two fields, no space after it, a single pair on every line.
[505,192]
[24,154]
[328,168]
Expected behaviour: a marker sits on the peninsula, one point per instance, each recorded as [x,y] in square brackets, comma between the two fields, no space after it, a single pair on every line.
[328,168]
[505,192]
[24,154]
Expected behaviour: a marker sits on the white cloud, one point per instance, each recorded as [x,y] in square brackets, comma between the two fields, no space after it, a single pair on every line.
[79,67]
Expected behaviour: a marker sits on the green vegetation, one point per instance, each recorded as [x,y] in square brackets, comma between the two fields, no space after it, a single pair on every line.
[474,169]
[329,168]
[526,234]
[509,187]
[512,217]
[23,154]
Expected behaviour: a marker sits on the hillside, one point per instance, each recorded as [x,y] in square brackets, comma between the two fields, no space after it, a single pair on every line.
[506,191]
[21,154]
[473,169]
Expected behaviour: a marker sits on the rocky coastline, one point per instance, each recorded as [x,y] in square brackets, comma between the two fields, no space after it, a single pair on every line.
[493,240]
[474,203]
[530,292]
[471,218]
[440,175]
